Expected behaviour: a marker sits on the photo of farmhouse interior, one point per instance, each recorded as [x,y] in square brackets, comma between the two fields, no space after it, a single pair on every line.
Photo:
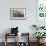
[22,22]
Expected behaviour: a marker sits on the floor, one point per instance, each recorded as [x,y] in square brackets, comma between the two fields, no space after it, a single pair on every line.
[13,44]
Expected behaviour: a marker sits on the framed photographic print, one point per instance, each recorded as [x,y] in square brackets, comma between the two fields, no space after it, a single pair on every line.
[17,13]
[41,12]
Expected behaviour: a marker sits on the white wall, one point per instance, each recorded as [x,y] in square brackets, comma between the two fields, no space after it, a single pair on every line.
[24,25]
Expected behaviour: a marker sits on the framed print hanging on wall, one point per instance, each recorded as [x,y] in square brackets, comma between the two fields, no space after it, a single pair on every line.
[17,13]
[41,8]
[41,12]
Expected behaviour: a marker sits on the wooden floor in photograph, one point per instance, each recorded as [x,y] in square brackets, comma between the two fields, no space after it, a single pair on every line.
[13,44]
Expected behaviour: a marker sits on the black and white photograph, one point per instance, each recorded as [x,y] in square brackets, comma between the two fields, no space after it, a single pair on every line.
[17,13]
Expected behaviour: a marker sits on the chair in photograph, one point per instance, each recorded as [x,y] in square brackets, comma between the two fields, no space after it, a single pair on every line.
[24,39]
[14,32]
[8,36]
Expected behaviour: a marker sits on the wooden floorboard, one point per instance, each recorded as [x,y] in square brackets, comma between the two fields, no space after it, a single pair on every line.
[13,44]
